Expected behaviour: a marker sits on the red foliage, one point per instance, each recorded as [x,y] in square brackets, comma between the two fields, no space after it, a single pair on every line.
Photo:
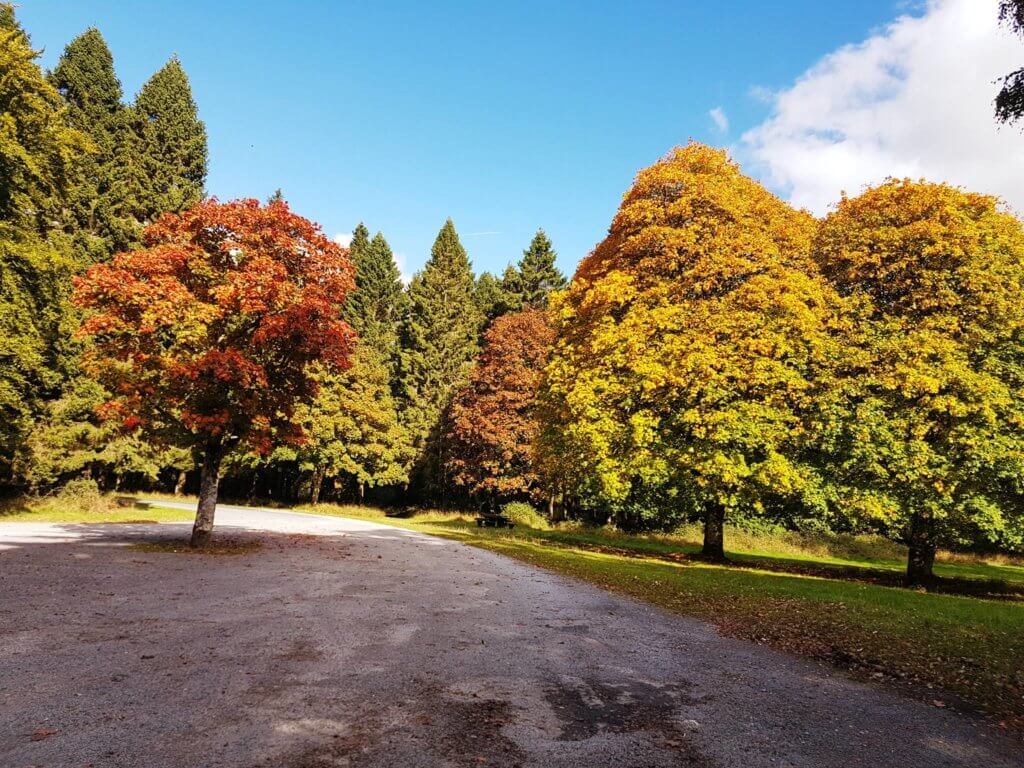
[206,333]
[491,427]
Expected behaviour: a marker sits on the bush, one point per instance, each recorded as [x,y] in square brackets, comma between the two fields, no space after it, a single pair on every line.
[80,495]
[521,513]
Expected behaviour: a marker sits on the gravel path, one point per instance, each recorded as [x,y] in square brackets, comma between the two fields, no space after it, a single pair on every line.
[345,643]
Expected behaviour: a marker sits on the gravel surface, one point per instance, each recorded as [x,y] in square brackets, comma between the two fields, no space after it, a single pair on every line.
[344,643]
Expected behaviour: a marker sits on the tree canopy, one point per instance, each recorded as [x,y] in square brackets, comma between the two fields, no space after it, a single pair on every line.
[491,425]
[439,343]
[205,337]
[688,351]
[931,442]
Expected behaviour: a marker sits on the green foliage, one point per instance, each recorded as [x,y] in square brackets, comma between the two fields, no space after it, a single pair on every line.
[100,205]
[68,439]
[528,284]
[173,141]
[34,326]
[491,296]
[928,440]
[352,427]
[378,306]
[439,343]
[39,151]
[522,513]
[537,276]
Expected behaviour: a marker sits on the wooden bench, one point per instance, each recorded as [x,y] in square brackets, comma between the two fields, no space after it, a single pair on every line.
[486,520]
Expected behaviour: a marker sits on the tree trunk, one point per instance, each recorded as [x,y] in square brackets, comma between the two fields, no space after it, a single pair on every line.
[921,549]
[318,481]
[714,533]
[362,492]
[179,487]
[209,479]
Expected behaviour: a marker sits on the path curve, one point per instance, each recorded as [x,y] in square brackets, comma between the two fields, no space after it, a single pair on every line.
[344,642]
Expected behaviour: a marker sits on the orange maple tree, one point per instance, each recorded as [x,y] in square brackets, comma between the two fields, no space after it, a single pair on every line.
[491,427]
[204,336]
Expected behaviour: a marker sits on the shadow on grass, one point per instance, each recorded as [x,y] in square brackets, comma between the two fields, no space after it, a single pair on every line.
[969,586]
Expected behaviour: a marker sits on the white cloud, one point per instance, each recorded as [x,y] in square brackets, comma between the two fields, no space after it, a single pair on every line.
[402,262]
[914,100]
[343,239]
[720,119]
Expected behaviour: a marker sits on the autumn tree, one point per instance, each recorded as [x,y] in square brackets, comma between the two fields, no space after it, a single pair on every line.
[206,336]
[931,444]
[491,426]
[352,430]
[438,346]
[691,349]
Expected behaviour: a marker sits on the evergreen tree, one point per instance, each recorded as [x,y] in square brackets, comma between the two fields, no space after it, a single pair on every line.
[39,157]
[173,141]
[494,297]
[40,152]
[537,274]
[352,428]
[277,197]
[102,220]
[440,341]
[377,308]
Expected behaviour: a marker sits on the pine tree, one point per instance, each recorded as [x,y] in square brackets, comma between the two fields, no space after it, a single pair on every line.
[497,296]
[103,220]
[173,141]
[439,344]
[377,308]
[538,276]
[39,157]
[40,152]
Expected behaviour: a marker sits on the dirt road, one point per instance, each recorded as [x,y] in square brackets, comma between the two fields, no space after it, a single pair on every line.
[342,643]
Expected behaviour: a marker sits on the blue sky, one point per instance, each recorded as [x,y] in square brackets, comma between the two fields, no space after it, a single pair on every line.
[505,117]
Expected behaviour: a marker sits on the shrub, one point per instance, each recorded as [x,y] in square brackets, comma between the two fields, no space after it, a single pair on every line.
[521,513]
[80,495]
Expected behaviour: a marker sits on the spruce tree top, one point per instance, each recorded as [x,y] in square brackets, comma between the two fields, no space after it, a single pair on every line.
[538,275]
[175,137]
[359,243]
[447,251]
[86,79]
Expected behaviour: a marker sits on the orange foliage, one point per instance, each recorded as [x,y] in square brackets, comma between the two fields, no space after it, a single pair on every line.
[206,333]
[491,427]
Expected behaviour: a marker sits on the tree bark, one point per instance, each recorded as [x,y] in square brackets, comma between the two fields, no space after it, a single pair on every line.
[921,550]
[714,533]
[179,487]
[318,481]
[209,479]
[362,492]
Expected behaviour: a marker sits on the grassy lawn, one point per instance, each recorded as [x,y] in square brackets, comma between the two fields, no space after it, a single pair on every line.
[102,510]
[949,649]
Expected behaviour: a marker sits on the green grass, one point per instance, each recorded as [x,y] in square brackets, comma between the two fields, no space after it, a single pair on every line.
[104,509]
[942,647]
